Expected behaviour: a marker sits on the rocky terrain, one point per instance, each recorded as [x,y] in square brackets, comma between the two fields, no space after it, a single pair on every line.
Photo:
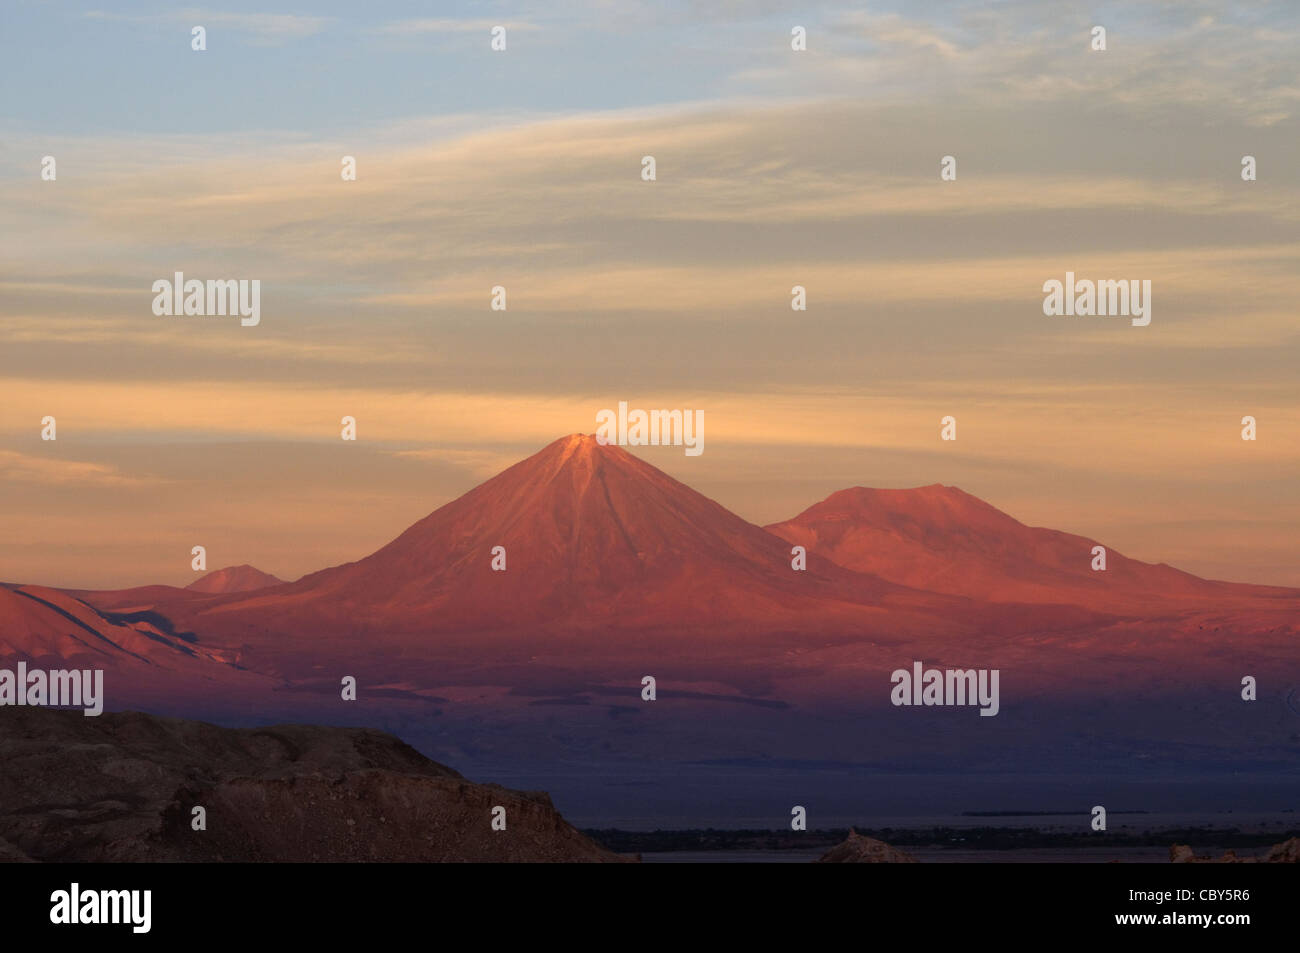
[857,849]
[123,787]
[1287,852]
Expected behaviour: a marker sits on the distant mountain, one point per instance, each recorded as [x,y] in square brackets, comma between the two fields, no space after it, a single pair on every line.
[37,624]
[231,579]
[244,578]
[592,535]
[593,539]
[942,539]
[614,569]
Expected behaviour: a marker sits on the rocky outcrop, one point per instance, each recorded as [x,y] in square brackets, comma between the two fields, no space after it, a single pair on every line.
[124,787]
[12,855]
[1287,852]
[858,849]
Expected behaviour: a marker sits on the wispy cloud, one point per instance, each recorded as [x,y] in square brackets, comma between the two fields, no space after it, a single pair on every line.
[480,463]
[263,27]
[18,467]
[447,25]
[1159,57]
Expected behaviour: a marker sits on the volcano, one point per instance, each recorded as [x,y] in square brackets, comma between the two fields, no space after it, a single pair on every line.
[243,578]
[591,539]
[942,539]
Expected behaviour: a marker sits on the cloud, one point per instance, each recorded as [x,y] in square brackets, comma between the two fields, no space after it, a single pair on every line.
[25,468]
[447,25]
[158,336]
[481,463]
[748,200]
[1023,420]
[1159,56]
[263,27]
[387,279]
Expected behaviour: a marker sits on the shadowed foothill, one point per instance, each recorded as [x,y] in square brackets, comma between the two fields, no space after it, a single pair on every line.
[124,787]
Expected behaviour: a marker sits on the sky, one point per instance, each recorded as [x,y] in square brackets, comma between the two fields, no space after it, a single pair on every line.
[522,168]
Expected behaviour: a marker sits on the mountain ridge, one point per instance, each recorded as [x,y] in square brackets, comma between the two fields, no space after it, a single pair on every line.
[941,538]
[241,578]
[607,559]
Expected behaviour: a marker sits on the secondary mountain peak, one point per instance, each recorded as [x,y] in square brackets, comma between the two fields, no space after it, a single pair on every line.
[943,539]
[242,578]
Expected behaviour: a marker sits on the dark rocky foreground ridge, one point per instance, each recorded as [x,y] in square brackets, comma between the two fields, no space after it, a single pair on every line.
[122,787]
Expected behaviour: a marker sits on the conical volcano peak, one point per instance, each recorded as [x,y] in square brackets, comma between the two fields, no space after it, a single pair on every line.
[578,447]
[580,533]
[582,456]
